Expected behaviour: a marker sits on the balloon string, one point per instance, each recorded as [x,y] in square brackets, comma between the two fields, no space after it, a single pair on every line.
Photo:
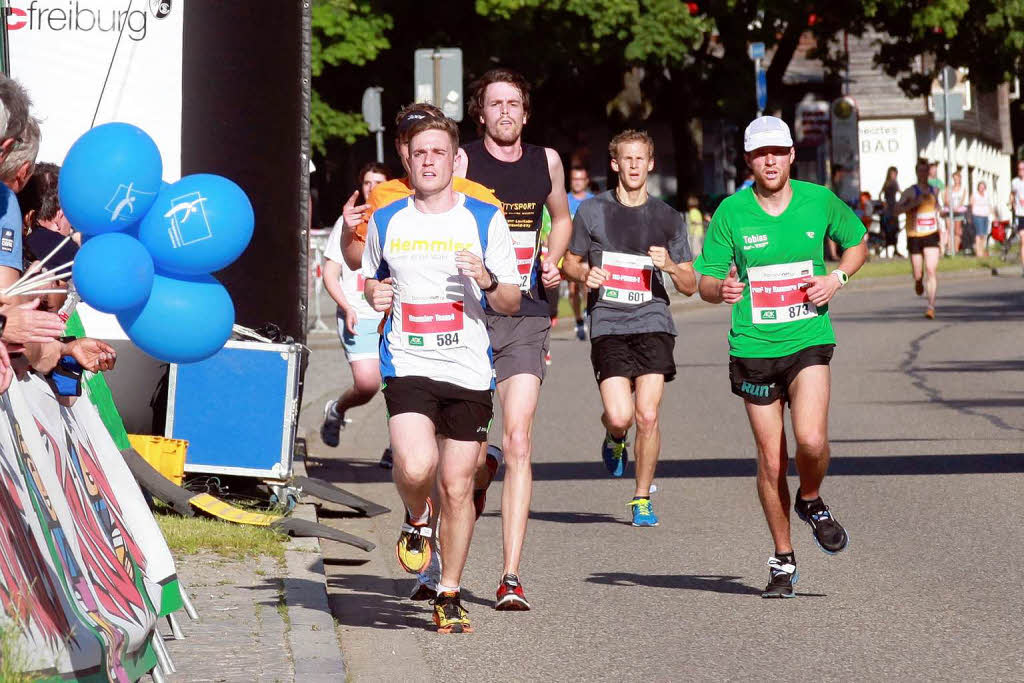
[35,267]
[61,273]
[111,65]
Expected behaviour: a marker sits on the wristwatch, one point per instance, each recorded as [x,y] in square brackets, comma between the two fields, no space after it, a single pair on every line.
[494,282]
[3,323]
[841,276]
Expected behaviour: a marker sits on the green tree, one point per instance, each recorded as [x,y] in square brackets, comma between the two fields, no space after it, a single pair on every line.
[344,32]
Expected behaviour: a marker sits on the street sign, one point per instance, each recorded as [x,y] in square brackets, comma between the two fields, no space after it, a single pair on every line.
[372,109]
[956,107]
[756,50]
[438,79]
[761,88]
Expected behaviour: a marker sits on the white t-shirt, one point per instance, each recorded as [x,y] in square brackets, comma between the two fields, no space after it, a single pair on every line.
[437,327]
[1017,188]
[351,281]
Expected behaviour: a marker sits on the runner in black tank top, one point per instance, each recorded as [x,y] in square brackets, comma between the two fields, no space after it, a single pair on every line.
[526,178]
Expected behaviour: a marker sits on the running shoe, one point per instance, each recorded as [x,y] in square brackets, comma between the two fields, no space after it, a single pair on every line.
[510,595]
[493,462]
[615,454]
[547,358]
[427,580]
[643,512]
[413,548]
[918,287]
[782,577]
[929,313]
[449,614]
[330,430]
[828,533]
[387,459]
[581,332]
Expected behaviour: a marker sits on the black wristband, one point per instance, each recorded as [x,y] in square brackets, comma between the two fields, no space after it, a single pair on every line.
[3,323]
[494,282]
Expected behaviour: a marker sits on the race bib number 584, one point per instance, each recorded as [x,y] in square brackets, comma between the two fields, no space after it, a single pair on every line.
[629,278]
[778,294]
[435,325]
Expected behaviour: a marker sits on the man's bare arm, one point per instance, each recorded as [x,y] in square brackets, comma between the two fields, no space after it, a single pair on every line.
[574,268]
[557,203]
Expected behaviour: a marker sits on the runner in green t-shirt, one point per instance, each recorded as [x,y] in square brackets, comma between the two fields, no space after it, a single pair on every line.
[763,252]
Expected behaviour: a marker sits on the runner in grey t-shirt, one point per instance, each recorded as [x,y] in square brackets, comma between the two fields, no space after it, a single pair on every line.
[622,242]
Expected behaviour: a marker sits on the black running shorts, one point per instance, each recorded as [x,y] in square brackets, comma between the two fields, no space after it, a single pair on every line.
[457,413]
[764,381]
[633,355]
[916,245]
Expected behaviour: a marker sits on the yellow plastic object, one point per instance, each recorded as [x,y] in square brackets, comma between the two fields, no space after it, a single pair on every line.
[218,508]
[167,456]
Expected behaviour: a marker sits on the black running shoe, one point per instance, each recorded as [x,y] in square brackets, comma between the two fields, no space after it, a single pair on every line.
[387,461]
[782,576]
[828,533]
[334,422]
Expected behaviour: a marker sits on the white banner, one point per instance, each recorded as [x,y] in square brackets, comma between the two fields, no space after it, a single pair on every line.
[61,51]
[85,568]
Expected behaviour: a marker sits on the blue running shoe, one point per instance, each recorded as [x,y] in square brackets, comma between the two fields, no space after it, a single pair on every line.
[615,454]
[643,513]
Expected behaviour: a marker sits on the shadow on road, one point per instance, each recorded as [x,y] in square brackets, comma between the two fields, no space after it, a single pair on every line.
[981,307]
[569,517]
[376,602]
[880,465]
[695,582]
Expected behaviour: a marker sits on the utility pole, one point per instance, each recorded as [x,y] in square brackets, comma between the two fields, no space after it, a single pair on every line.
[947,74]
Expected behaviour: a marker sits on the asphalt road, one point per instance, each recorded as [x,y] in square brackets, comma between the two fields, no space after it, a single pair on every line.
[927,434]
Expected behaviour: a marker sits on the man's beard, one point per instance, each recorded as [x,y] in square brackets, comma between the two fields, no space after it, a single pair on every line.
[505,135]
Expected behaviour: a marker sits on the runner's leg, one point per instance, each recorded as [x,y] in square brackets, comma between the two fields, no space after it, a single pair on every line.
[457,464]
[365,383]
[617,399]
[649,390]
[808,410]
[415,454]
[518,395]
[931,280]
[916,266]
[772,462]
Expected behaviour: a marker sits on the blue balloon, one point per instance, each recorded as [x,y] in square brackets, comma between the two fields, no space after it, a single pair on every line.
[184,320]
[200,224]
[110,178]
[113,272]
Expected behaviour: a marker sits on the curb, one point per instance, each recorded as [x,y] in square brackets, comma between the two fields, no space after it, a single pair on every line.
[312,640]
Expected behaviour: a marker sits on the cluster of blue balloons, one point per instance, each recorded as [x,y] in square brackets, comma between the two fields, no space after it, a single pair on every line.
[150,246]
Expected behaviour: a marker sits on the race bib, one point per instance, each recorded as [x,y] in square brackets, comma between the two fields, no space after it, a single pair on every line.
[629,279]
[525,244]
[926,223]
[432,324]
[778,294]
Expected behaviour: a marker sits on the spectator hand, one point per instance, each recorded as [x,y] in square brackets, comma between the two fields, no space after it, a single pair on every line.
[25,324]
[352,214]
[732,287]
[92,354]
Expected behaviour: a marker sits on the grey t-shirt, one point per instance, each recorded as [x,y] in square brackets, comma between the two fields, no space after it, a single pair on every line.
[616,237]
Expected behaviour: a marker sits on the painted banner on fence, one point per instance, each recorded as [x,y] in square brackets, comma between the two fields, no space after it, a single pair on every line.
[83,566]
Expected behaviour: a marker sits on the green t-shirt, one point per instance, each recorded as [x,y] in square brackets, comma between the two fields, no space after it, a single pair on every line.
[772,255]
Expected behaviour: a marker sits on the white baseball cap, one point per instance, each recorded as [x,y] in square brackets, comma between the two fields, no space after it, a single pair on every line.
[766,131]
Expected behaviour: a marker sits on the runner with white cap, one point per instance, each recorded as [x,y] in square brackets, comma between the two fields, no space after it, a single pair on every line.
[764,254]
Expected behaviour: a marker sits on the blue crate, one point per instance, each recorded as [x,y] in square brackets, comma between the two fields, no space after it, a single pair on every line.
[238,410]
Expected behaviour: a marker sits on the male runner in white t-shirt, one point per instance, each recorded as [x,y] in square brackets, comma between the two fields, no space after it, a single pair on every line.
[432,258]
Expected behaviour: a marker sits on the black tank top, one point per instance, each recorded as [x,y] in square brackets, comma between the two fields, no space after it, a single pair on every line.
[522,187]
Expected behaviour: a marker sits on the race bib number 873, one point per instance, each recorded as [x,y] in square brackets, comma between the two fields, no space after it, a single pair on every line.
[778,294]
[433,326]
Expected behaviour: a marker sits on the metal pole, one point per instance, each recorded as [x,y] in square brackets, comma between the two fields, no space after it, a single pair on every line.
[757,70]
[437,77]
[950,232]
[380,146]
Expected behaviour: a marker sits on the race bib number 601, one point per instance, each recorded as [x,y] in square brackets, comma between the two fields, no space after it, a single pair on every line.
[778,294]
[629,278]
[434,325]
